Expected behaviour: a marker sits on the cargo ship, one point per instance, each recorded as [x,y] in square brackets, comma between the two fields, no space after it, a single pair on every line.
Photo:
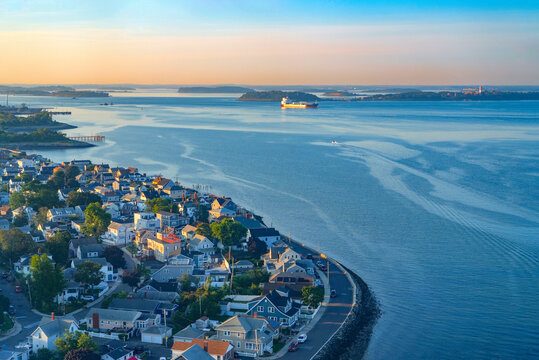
[287,103]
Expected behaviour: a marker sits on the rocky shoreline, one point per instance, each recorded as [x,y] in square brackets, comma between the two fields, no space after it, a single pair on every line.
[352,339]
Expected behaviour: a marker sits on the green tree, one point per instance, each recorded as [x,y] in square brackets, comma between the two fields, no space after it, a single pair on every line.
[204,229]
[159,204]
[58,246]
[72,341]
[203,213]
[42,354]
[89,274]
[97,220]
[20,220]
[16,200]
[41,217]
[45,197]
[75,198]
[185,282]
[46,281]
[312,295]
[82,354]
[15,243]
[257,247]
[115,256]
[228,231]
[70,173]
[58,180]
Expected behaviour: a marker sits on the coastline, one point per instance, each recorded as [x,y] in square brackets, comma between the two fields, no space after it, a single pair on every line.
[57,126]
[30,146]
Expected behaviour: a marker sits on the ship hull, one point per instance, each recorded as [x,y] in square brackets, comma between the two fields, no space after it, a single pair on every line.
[299,106]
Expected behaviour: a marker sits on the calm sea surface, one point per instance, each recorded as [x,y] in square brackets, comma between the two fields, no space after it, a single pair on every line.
[434,205]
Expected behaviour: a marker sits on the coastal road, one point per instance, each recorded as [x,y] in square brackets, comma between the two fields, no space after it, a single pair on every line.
[336,312]
[24,316]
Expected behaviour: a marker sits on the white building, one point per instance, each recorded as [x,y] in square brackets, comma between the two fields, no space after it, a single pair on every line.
[119,234]
[146,220]
[51,329]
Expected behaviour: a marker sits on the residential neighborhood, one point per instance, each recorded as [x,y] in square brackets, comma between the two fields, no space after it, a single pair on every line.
[139,266]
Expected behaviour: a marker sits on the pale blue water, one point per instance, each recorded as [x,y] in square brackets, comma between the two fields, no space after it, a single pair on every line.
[434,205]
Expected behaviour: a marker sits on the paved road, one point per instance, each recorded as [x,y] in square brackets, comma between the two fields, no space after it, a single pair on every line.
[28,319]
[335,314]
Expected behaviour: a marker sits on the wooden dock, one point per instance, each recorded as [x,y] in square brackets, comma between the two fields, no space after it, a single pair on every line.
[88,138]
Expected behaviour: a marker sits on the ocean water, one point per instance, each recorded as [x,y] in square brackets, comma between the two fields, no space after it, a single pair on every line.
[434,205]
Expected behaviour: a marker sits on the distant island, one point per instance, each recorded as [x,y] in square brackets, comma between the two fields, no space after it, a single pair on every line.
[277,96]
[339,93]
[60,91]
[80,93]
[213,89]
[453,96]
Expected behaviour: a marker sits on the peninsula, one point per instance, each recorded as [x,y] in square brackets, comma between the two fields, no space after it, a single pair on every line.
[60,91]
[471,95]
[277,96]
[184,266]
[34,131]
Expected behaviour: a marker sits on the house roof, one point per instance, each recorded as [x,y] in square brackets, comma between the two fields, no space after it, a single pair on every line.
[263,232]
[56,326]
[110,314]
[134,304]
[157,330]
[242,323]
[189,332]
[249,223]
[118,353]
[100,261]
[215,347]
[195,352]
[189,228]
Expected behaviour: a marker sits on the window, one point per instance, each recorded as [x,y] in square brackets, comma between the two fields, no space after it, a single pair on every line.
[226,333]
[239,345]
[271,309]
[260,308]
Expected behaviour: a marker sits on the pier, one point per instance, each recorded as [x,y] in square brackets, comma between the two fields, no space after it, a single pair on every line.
[88,138]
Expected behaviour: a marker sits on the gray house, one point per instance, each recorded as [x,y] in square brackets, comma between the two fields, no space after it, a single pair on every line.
[277,306]
[249,335]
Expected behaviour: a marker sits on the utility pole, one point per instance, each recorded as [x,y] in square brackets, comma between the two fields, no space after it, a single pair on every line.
[29,291]
[328,274]
[166,336]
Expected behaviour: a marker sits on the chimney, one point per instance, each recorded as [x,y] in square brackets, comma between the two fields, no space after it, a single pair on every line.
[95,320]
[52,316]
[205,346]
[255,315]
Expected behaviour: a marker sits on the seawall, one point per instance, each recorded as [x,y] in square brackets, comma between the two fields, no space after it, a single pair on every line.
[352,339]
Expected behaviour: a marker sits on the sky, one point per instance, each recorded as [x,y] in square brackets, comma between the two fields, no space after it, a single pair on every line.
[269,42]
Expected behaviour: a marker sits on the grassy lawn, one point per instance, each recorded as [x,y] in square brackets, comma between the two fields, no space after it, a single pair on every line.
[7,323]
[277,346]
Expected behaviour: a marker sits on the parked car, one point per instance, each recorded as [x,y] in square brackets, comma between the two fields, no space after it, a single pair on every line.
[333,294]
[302,338]
[309,256]
[11,310]
[87,297]
[18,289]
[294,345]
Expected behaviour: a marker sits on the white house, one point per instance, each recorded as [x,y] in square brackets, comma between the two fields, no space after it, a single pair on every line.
[51,329]
[267,235]
[146,220]
[119,234]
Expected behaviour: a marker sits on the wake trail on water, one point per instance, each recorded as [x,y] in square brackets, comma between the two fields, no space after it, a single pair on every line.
[493,240]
